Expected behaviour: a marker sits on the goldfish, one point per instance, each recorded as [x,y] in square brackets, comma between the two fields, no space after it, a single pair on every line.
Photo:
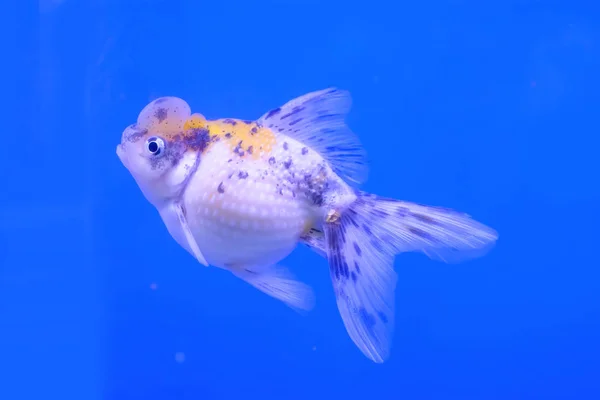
[241,195]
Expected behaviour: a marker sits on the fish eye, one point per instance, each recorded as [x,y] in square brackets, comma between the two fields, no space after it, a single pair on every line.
[155,145]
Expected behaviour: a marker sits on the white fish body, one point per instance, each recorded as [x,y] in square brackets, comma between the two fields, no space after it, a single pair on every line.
[240,195]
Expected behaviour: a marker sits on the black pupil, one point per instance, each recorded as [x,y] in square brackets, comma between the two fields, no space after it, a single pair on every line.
[153,146]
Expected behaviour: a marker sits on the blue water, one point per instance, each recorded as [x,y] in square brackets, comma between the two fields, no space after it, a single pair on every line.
[486,107]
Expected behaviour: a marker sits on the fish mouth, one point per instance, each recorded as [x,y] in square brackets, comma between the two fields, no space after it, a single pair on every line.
[121,153]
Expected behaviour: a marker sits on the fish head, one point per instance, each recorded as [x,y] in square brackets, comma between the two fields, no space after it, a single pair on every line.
[158,150]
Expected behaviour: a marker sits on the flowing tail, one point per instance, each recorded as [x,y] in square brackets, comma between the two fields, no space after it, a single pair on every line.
[361,244]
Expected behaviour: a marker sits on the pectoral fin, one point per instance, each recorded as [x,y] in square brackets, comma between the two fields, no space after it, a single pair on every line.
[179,210]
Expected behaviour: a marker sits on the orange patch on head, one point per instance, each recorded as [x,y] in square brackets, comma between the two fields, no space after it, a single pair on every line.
[196,121]
[246,138]
[171,118]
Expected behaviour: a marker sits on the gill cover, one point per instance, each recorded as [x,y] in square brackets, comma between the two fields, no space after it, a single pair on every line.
[166,117]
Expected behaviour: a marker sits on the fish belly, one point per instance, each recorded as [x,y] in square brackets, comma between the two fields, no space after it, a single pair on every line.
[241,218]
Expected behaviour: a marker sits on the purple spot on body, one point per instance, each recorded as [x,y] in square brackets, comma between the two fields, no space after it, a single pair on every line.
[317,198]
[304,151]
[229,121]
[221,188]
[254,130]
[285,145]
[294,122]
[287,163]
[250,149]
[272,161]
[242,175]
[228,135]
[238,149]
[198,140]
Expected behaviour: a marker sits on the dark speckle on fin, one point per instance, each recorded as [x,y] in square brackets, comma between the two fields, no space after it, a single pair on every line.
[364,280]
[442,234]
[315,239]
[272,113]
[361,245]
[317,119]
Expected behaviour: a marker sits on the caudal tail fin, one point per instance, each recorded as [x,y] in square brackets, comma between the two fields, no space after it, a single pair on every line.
[361,245]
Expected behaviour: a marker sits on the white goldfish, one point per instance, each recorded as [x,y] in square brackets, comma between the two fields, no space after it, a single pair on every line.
[240,195]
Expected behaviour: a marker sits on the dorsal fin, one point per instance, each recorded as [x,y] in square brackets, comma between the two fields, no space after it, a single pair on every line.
[317,120]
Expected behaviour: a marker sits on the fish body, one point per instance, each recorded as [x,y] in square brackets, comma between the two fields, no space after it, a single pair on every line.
[240,195]
[249,207]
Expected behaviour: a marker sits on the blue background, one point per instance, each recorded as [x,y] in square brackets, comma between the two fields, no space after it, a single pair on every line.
[486,107]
